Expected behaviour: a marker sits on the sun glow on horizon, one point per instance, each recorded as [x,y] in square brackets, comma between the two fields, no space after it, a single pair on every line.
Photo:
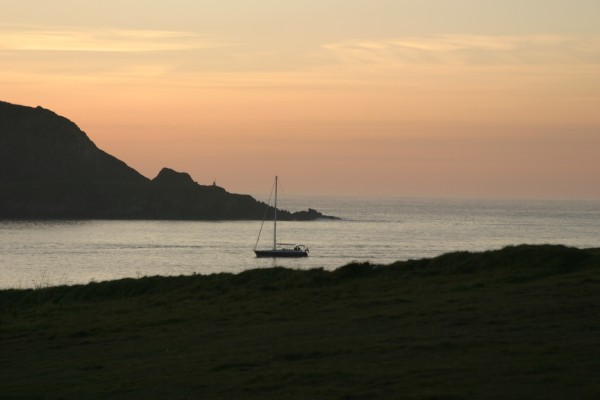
[382,104]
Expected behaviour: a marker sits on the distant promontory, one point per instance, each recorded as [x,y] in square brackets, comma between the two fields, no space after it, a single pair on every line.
[49,168]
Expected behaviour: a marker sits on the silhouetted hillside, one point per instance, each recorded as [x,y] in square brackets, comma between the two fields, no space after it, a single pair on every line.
[49,168]
[36,145]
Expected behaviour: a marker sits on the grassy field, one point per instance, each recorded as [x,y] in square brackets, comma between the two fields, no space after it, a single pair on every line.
[521,322]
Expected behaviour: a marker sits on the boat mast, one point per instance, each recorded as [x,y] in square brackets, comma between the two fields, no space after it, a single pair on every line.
[275,218]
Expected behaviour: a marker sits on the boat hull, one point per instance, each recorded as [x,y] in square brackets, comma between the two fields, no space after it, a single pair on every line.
[281,253]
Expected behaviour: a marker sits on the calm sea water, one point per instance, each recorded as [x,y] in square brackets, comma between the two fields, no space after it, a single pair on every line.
[42,253]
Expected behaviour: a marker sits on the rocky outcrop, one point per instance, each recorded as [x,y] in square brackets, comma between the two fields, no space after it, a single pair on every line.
[171,178]
[49,168]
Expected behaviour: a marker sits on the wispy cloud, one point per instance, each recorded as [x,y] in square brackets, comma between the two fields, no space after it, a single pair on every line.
[471,49]
[100,40]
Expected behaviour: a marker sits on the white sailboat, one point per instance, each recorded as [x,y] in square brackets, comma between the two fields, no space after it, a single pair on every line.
[279,249]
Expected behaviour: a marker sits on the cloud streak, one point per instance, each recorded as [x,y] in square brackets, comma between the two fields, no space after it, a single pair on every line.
[101,40]
[470,50]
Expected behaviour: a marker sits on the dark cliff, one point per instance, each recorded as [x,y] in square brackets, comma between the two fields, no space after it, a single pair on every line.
[36,145]
[49,168]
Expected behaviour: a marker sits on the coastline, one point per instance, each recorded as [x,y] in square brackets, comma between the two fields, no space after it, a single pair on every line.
[459,325]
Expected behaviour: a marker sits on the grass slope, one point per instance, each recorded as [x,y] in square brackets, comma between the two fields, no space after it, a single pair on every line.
[520,322]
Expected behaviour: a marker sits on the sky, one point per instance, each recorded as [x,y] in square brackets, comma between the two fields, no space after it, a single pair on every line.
[432,98]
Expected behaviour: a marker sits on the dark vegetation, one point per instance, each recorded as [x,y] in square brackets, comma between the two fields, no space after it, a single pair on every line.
[521,322]
[49,168]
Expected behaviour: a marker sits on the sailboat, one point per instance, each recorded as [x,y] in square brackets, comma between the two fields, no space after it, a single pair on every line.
[279,249]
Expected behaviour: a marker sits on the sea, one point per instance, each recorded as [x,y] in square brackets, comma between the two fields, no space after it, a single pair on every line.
[36,254]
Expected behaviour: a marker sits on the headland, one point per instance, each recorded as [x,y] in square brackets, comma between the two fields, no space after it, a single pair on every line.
[50,169]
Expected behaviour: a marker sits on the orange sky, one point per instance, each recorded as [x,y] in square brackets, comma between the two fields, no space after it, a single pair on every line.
[467,98]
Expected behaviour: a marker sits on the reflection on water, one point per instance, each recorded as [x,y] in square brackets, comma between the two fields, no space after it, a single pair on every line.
[39,253]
